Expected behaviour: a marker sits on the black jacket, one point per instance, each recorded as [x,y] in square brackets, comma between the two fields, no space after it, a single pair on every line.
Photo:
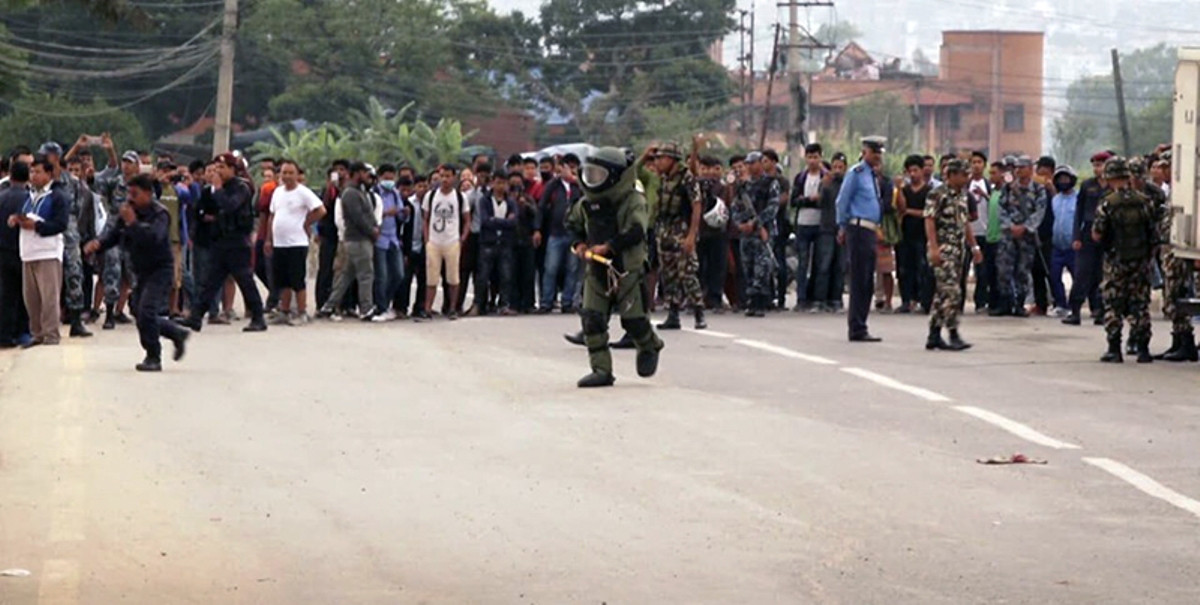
[497,230]
[147,241]
[555,205]
[12,199]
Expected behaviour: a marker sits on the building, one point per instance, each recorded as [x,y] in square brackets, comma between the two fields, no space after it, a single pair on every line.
[1002,72]
[969,105]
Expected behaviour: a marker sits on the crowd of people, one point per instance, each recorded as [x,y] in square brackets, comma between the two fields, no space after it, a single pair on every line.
[170,242]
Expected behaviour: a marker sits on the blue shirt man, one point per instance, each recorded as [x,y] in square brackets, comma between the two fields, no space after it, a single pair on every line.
[858,215]
[859,196]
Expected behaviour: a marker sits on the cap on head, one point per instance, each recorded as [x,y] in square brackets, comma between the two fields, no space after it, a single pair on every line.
[50,148]
[1024,161]
[1137,166]
[357,167]
[753,157]
[670,150]
[1009,161]
[134,157]
[1116,167]
[956,166]
[877,144]
[226,159]
[1101,156]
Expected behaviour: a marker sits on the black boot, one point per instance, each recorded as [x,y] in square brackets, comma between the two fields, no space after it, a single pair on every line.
[700,323]
[1072,319]
[1114,351]
[1143,352]
[672,322]
[1175,340]
[150,364]
[647,362]
[574,338]
[110,319]
[935,342]
[596,379]
[1000,311]
[1187,349]
[758,307]
[1131,347]
[957,343]
[192,322]
[180,345]
[626,342]
[77,328]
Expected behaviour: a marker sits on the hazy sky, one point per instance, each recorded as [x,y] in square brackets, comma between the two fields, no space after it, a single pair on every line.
[1078,31]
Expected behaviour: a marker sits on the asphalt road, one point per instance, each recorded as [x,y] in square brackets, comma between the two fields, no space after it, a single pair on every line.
[769,461]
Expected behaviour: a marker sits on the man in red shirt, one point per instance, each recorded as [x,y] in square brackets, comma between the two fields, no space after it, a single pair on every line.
[262,262]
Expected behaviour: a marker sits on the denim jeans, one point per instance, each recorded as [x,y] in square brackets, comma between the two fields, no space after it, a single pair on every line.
[559,259]
[1059,260]
[389,275]
[807,240]
[495,261]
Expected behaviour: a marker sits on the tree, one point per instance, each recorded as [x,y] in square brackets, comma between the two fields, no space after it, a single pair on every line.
[37,118]
[1148,75]
[837,34]
[882,114]
[374,134]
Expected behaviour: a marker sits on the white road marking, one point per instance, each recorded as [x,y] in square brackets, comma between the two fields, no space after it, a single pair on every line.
[1016,428]
[1146,484]
[713,333]
[778,350]
[892,383]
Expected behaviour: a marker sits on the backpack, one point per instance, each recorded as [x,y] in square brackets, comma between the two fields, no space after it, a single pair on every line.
[1132,227]
[457,194]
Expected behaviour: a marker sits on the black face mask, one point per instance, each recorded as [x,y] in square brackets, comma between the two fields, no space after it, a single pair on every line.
[547,176]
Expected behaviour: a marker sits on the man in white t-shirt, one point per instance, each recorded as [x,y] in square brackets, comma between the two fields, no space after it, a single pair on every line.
[447,224]
[294,208]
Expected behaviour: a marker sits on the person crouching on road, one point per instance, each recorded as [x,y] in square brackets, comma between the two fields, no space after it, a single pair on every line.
[144,227]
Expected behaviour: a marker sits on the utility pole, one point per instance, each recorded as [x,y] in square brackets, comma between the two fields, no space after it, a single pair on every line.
[762,140]
[224,117]
[745,129]
[750,90]
[799,39]
[1120,85]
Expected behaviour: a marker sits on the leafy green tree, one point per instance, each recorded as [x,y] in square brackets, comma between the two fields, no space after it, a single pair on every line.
[1090,121]
[373,134]
[37,118]
[882,114]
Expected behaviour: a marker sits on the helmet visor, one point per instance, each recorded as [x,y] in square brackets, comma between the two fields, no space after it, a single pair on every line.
[594,175]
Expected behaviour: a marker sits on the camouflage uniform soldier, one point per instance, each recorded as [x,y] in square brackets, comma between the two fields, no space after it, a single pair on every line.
[680,200]
[610,222]
[1177,273]
[1022,207]
[116,260]
[1126,230]
[754,215]
[74,191]
[947,232]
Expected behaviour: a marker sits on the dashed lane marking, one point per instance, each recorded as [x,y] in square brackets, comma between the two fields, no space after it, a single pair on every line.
[892,383]
[1016,428]
[1146,484]
[712,333]
[785,352]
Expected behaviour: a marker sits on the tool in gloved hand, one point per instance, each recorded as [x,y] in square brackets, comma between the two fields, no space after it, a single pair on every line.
[614,275]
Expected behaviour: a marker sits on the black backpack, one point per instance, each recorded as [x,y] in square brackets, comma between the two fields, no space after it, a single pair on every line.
[1132,226]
